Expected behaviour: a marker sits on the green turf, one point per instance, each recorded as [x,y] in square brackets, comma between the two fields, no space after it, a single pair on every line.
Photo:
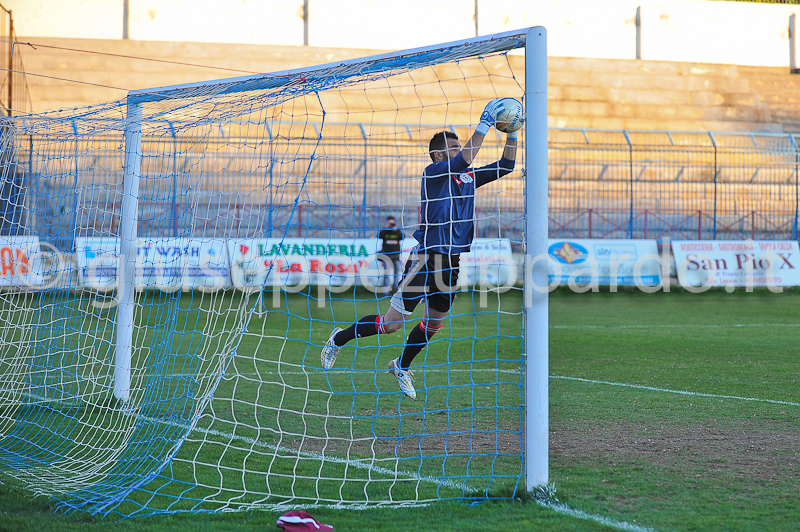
[646,456]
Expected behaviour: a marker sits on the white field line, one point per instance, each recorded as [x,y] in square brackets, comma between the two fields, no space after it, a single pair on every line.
[556,507]
[558,377]
[311,371]
[646,326]
[678,326]
[459,370]
[679,392]
[619,525]
[361,464]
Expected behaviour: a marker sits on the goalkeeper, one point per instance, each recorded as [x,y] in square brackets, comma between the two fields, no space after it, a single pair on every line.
[445,231]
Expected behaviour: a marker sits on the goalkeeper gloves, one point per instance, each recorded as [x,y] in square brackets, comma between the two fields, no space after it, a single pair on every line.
[489,116]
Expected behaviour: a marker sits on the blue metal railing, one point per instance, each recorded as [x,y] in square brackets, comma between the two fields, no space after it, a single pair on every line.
[603,184]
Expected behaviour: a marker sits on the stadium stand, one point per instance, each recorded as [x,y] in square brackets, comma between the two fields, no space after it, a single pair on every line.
[587,93]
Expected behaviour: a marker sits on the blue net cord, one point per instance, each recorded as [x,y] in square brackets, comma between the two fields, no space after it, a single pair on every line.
[229,408]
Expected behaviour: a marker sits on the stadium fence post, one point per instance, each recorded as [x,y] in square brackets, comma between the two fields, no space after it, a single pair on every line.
[792,44]
[796,185]
[126,283]
[536,300]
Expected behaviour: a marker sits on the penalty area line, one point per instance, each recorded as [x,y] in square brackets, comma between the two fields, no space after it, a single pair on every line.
[678,392]
[678,326]
[563,509]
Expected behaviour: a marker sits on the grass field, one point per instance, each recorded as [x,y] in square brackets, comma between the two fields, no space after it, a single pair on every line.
[668,412]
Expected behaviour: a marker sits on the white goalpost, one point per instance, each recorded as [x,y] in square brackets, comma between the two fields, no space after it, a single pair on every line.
[536,308]
[129,216]
[210,235]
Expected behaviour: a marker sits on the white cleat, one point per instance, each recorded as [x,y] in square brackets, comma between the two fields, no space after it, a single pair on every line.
[404,378]
[330,350]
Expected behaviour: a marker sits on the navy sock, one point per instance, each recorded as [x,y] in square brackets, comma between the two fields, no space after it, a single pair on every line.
[417,339]
[366,326]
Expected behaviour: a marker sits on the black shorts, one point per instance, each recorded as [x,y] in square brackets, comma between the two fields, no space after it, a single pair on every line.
[433,277]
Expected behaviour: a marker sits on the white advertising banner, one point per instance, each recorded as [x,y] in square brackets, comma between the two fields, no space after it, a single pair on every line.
[20,261]
[488,263]
[164,263]
[737,263]
[601,261]
[298,262]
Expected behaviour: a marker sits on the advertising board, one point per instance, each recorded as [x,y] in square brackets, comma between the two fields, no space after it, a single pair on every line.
[164,263]
[603,262]
[737,262]
[20,262]
[298,262]
[488,263]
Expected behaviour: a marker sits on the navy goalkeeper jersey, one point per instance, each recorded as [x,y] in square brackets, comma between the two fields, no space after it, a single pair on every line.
[447,214]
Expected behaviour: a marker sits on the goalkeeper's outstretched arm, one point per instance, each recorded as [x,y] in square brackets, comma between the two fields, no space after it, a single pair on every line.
[498,169]
[510,149]
[472,147]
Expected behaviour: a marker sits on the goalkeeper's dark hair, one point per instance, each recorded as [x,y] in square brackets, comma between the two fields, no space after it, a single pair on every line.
[439,142]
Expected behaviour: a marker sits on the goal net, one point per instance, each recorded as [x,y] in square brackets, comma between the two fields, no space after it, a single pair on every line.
[172,264]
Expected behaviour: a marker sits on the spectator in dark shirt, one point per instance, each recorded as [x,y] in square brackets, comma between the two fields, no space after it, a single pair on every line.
[392,239]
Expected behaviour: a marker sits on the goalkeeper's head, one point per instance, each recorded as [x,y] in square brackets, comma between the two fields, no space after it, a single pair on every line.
[444,146]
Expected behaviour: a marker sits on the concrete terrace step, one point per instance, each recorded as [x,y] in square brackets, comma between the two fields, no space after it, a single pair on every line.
[653,68]
[663,124]
[779,91]
[582,93]
[657,111]
[646,81]
[654,97]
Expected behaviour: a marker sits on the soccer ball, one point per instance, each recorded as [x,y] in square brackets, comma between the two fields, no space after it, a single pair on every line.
[511,116]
